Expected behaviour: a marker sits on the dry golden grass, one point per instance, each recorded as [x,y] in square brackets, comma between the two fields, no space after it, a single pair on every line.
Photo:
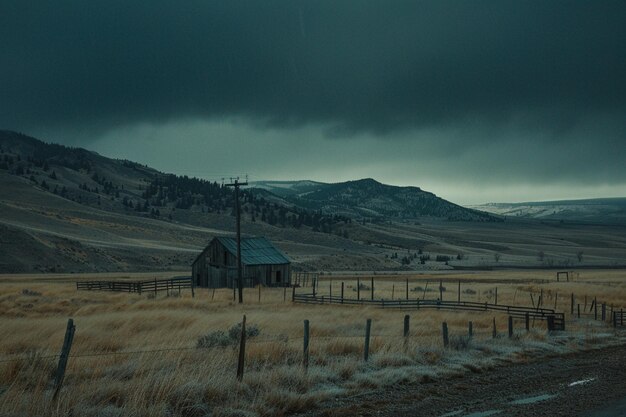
[122,365]
[513,287]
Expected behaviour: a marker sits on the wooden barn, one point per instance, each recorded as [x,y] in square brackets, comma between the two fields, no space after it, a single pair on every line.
[261,262]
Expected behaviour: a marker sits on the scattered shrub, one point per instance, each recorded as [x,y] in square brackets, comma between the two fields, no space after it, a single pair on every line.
[362,287]
[421,289]
[220,338]
[30,293]
[460,342]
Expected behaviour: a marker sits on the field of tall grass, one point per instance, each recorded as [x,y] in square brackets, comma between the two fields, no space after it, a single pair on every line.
[143,355]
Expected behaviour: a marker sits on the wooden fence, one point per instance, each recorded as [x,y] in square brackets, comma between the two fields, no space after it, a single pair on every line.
[556,320]
[618,318]
[148,286]
[305,279]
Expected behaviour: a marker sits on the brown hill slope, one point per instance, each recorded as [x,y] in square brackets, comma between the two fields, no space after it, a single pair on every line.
[71,210]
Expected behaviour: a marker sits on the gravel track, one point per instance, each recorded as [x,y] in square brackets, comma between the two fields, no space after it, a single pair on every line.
[590,383]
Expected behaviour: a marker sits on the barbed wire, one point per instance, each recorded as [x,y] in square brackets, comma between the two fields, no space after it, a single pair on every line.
[249,341]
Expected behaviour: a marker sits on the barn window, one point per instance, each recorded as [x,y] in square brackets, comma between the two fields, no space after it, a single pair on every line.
[278,277]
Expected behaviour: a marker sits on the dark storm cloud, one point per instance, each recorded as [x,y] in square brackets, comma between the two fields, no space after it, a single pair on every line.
[356,65]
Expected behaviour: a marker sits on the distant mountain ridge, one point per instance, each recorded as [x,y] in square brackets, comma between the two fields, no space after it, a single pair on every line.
[596,210]
[65,209]
[70,209]
[368,198]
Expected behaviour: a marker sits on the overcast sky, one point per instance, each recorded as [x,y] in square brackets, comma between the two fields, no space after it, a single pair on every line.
[476,101]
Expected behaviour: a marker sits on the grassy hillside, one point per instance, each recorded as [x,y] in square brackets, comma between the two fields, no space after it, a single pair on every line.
[367,199]
[70,210]
[597,210]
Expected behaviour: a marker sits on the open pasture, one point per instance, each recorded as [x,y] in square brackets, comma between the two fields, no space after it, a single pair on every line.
[515,287]
[148,355]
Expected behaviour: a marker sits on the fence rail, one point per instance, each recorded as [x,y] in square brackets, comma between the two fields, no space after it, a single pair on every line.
[147,286]
[515,311]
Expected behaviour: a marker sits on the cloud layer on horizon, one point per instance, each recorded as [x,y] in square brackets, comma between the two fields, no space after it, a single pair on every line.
[530,89]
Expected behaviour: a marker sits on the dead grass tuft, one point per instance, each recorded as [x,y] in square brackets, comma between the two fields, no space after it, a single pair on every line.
[201,382]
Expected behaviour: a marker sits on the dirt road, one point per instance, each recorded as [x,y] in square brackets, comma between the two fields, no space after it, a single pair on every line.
[591,383]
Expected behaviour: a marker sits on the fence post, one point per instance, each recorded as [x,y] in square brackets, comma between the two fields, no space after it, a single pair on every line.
[572,304]
[155,288]
[406,326]
[305,353]
[527,321]
[372,288]
[496,296]
[407,289]
[259,292]
[440,290]
[65,353]
[293,293]
[510,326]
[242,350]
[459,298]
[556,297]
[393,290]
[494,333]
[470,329]
[366,350]
[341,292]
[595,307]
[444,329]
[358,289]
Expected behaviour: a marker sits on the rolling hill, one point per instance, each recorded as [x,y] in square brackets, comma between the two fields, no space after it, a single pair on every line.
[597,210]
[68,209]
[369,199]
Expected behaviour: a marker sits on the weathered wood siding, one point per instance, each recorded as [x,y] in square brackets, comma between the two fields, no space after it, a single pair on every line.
[215,267]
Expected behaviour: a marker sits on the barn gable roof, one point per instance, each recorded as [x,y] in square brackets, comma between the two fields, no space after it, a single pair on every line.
[255,251]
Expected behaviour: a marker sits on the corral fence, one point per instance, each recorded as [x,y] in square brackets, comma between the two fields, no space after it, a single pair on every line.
[618,318]
[556,321]
[305,279]
[597,311]
[169,285]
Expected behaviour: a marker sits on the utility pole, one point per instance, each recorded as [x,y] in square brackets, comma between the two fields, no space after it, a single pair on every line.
[236,184]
